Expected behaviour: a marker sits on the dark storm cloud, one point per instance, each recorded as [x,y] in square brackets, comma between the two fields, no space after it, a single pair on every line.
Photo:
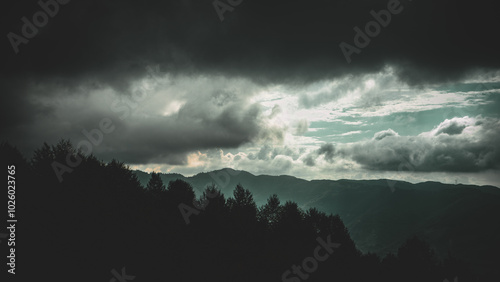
[266,40]
[328,150]
[91,45]
[207,117]
[310,160]
[447,148]
[168,140]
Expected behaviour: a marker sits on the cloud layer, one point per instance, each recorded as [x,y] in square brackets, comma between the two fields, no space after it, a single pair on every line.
[457,145]
[277,41]
[268,85]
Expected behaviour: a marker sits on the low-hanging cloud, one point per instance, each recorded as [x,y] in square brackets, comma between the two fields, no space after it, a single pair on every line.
[172,120]
[457,145]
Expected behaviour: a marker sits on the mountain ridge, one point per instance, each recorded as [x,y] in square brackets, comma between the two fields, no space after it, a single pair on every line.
[453,218]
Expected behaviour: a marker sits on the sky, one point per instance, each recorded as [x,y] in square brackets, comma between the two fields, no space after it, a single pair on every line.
[406,90]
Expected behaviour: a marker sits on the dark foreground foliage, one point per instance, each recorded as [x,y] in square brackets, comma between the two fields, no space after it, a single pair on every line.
[100,218]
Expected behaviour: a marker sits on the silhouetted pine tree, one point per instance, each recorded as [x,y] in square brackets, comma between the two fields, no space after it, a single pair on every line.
[242,206]
[269,214]
[155,184]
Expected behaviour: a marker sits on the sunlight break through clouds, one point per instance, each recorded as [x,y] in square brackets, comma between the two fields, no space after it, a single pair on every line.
[190,124]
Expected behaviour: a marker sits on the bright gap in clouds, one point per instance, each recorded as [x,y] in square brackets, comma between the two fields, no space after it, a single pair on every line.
[347,113]
[189,124]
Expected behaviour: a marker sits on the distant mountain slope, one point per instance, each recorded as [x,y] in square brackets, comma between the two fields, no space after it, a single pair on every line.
[459,219]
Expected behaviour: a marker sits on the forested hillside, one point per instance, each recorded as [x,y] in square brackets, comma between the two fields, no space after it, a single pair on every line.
[100,218]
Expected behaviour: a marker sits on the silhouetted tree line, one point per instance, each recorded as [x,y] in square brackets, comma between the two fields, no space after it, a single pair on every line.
[100,218]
